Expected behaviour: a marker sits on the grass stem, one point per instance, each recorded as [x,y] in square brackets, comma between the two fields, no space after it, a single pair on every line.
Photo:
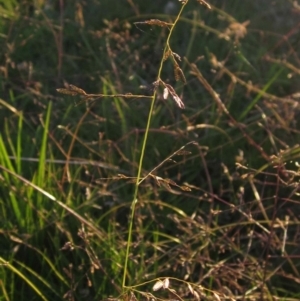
[135,195]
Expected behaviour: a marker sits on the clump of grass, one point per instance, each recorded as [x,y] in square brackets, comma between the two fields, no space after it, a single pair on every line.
[210,192]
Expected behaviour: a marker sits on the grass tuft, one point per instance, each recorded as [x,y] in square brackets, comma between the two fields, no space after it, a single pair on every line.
[178,179]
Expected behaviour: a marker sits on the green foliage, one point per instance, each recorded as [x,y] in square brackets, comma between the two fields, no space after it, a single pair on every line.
[167,162]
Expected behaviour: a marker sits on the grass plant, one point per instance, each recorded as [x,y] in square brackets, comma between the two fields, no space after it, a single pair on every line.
[179,180]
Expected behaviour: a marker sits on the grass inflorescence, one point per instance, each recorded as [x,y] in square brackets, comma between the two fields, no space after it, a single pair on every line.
[178,180]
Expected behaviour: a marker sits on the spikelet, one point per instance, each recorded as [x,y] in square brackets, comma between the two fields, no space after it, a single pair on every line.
[174,95]
[202,2]
[71,90]
[178,73]
[167,54]
[155,22]
[76,89]
[66,91]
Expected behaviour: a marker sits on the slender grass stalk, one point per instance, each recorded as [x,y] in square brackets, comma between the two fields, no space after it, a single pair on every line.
[145,139]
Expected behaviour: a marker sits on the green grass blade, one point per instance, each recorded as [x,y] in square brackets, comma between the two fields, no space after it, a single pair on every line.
[260,95]
[23,277]
[19,145]
[40,181]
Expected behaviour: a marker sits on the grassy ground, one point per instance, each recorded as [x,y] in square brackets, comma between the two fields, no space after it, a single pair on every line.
[215,216]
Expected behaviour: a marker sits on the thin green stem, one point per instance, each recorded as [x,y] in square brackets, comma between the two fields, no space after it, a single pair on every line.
[133,204]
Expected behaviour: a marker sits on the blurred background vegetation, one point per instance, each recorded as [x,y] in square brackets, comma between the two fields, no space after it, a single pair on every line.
[220,220]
